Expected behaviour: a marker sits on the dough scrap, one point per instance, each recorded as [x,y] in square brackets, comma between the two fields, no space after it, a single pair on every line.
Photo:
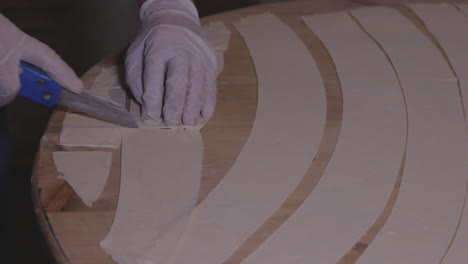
[275,157]
[362,171]
[160,176]
[218,35]
[84,131]
[427,209]
[85,171]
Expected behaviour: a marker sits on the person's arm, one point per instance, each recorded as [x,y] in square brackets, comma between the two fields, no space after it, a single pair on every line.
[16,46]
[171,66]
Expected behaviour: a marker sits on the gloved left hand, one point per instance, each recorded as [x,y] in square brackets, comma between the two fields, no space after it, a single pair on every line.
[15,46]
[171,66]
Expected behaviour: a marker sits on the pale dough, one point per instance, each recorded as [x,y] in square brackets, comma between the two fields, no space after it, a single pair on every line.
[283,141]
[362,171]
[80,130]
[85,131]
[458,253]
[449,26]
[82,120]
[218,35]
[431,196]
[85,171]
[463,8]
[161,170]
[160,175]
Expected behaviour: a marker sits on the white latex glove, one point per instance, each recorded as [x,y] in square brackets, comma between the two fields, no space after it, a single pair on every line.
[15,46]
[171,66]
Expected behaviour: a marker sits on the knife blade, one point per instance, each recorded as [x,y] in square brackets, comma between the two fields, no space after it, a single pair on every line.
[40,87]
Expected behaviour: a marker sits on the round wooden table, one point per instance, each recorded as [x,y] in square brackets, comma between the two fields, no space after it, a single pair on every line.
[73,231]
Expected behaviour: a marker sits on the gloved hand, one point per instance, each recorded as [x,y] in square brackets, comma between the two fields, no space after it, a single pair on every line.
[15,46]
[171,66]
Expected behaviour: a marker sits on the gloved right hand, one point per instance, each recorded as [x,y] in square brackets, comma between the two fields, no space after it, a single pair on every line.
[171,66]
[15,46]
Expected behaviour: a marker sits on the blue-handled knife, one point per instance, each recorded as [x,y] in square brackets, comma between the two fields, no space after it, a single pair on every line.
[40,87]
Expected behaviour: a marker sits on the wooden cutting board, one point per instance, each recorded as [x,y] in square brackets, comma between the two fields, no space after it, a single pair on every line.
[73,231]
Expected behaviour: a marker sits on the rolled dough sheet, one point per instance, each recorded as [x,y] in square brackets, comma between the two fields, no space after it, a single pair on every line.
[427,209]
[362,171]
[160,175]
[450,28]
[463,8]
[84,131]
[457,252]
[283,141]
[85,171]
[218,35]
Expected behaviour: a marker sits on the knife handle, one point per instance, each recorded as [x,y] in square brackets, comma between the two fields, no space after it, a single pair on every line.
[38,85]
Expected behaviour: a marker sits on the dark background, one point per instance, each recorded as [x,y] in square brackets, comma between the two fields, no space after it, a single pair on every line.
[82,32]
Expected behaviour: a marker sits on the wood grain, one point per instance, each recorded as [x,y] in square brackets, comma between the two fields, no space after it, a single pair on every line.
[325,149]
[74,231]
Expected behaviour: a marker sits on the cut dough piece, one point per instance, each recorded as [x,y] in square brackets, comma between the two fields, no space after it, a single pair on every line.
[161,170]
[81,120]
[104,137]
[218,35]
[450,28]
[426,212]
[362,171]
[283,141]
[84,131]
[85,171]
